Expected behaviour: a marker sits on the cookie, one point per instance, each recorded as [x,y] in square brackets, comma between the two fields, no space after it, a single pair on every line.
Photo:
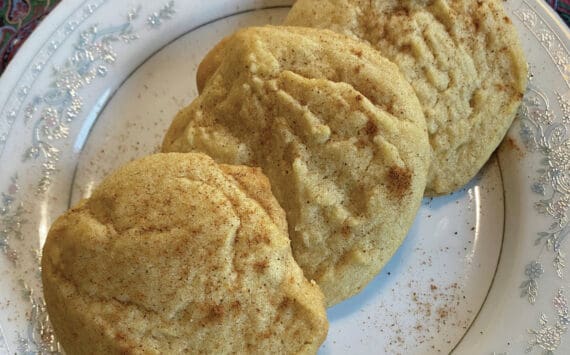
[210,63]
[174,253]
[337,130]
[463,58]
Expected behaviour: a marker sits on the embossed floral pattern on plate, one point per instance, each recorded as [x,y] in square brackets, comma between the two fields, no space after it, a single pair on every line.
[50,116]
[546,133]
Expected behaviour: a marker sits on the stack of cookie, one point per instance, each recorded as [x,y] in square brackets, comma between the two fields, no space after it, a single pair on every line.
[352,121]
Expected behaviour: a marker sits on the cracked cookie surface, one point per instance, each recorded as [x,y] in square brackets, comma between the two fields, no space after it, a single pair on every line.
[463,58]
[337,130]
[174,253]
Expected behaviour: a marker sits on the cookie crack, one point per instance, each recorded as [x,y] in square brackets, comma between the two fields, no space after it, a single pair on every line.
[84,294]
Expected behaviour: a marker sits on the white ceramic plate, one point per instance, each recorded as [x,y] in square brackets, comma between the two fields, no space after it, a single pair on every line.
[482,271]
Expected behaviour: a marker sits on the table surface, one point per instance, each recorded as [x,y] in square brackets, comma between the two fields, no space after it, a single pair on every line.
[18,18]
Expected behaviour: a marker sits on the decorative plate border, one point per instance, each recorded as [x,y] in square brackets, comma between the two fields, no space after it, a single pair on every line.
[13,105]
[547,134]
[51,115]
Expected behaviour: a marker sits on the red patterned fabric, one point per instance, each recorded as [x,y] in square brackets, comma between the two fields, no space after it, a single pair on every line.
[562,7]
[18,18]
